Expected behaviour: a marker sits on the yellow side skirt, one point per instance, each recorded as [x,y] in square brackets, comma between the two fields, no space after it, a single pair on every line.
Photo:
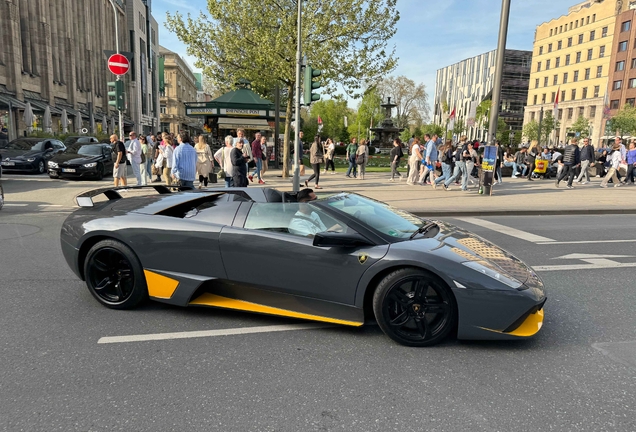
[160,286]
[529,327]
[208,299]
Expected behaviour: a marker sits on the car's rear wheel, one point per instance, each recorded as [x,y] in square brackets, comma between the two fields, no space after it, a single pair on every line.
[114,275]
[41,167]
[414,307]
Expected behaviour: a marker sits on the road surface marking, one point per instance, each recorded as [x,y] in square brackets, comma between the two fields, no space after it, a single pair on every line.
[585,242]
[50,205]
[590,266]
[513,232]
[209,333]
[576,256]
[15,205]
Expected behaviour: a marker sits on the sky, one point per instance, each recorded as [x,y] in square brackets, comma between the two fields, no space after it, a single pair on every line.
[431,33]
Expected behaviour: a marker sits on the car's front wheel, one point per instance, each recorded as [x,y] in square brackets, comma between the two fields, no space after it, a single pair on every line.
[414,307]
[114,275]
[41,167]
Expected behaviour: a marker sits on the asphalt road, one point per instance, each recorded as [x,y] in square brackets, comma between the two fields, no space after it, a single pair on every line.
[577,374]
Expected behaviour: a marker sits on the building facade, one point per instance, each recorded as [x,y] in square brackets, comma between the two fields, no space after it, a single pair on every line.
[571,59]
[472,80]
[53,55]
[622,80]
[177,86]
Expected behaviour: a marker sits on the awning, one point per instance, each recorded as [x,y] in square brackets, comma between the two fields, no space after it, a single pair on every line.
[41,106]
[5,99]
[245,123]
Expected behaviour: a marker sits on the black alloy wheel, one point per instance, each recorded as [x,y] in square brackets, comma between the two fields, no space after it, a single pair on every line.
[414,307]
[114,275]
[41,167]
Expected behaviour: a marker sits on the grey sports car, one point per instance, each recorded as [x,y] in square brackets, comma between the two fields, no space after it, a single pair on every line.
[342,258]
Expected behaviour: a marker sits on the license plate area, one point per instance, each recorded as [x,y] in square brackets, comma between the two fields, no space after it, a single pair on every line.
[8,163]
[69,170]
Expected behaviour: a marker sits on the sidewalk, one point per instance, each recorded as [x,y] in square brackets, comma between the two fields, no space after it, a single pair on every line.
[512,197]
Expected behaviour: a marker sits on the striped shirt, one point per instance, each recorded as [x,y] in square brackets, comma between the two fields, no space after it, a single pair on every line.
[185,162]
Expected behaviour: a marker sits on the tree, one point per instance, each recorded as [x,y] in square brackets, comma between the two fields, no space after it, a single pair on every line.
[459,126]
[531,131]
[548,124]
[256,40]
[624,122]
[411,100]
[332,113]
[582,126]
[482,113]
[368,108]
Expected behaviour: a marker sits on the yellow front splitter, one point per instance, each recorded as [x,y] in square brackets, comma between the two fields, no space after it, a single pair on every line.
[529,327]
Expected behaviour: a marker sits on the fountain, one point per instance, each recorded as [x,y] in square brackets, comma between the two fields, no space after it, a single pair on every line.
[386,131]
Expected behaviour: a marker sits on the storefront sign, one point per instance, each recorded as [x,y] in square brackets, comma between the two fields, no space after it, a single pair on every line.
[243,112]
[200,111]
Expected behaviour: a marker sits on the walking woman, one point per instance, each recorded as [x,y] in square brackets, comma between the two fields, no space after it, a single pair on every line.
[330,150]
[222,156]
[414,162]
[316,157]
[362,157]
[395,155]
[447,163]
[531,156]
[204,161]
[167,157]
[145,155]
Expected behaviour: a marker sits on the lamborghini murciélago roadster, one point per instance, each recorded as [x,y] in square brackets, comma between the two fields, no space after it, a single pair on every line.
[248,249]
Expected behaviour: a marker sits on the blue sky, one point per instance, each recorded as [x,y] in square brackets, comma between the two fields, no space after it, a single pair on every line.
[431,33]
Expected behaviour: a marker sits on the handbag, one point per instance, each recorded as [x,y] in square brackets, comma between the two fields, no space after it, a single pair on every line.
[360,159]
[222,170]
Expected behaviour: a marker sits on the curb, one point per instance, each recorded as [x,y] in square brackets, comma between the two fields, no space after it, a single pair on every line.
[573,212]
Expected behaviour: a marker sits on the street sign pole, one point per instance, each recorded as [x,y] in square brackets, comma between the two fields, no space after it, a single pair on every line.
[121,117]
[298,149]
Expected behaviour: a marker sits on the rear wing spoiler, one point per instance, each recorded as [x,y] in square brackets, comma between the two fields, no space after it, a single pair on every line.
[112,193]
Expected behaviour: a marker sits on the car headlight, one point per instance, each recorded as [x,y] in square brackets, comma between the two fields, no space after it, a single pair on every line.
[498,276]
[90,165]
[53,164]
[31,160]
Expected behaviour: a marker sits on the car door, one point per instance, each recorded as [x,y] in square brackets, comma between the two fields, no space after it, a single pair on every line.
[261,252]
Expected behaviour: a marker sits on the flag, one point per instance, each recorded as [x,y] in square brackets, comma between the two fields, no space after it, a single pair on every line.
[319,120]
[555,111]
[451,120]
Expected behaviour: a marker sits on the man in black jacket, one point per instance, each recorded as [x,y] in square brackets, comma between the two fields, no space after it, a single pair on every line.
[587,160]
[571,159]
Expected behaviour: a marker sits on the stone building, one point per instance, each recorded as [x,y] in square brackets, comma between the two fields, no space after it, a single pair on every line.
[622,78]
[177,85]
[572,58]
[53,55]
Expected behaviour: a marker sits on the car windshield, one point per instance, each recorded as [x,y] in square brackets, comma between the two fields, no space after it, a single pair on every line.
[71,140]
[86,149]
[377,215]
[23,144]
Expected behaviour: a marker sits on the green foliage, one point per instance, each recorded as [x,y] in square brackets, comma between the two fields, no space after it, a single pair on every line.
[256,40]
[459,127]
[482,115]
[411,100]
[548,124]
[431,129]
[624,122]
[405,135]
[368,108]
[582,126]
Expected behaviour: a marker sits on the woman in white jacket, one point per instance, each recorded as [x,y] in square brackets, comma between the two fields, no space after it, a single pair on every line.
[222,156]
[615,160]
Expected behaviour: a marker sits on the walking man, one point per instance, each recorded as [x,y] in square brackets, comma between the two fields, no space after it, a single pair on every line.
[571,159]
[352,148]
[184,167]
[587,160]
[257,155]
[119,170]
[134,156]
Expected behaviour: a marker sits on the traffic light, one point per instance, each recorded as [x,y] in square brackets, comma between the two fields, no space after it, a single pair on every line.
[311,85]
[116,96]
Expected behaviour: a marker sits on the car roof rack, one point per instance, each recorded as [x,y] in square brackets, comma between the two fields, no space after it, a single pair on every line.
[85,199]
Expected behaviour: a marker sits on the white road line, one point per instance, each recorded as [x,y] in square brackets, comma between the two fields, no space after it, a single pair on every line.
[513,232]
[585,242]
[597,266]
[15,205]
[50,205]
[209,333]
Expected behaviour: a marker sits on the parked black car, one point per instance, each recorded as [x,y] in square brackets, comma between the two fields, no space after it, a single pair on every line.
[80,140]
[82,161]
[29,154]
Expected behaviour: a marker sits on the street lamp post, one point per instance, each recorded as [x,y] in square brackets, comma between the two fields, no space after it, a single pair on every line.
[298,149]
[121,117]
[501,51]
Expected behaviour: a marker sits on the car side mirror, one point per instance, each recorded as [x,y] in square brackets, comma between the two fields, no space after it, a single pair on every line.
[345,240]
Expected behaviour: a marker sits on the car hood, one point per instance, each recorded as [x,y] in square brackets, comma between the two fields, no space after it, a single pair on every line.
[461,246]
[75,159]
[19,154]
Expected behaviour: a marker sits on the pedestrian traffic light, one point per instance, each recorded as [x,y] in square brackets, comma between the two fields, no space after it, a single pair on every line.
[311,85]
[116,95]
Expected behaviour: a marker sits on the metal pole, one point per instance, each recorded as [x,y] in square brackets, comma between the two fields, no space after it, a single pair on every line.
[298,150]
[121,117]
[501,51]
[276,126]
[540,122]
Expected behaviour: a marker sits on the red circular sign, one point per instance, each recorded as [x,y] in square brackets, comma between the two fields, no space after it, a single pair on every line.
[118,64]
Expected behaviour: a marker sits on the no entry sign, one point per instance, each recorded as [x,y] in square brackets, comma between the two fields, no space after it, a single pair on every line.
[118,64]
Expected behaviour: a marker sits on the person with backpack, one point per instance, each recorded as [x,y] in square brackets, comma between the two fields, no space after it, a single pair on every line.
[571,160]
[362,158]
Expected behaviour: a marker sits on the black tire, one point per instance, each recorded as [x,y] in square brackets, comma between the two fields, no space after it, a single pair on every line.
[41,167]
[414,307]
[114,275]
[100,172]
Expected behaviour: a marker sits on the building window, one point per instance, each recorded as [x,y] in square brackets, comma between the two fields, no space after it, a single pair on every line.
[584,95]
[540,50]
[545,82]
[614,104]
[532,116]
[588,20]
[618,84]
[592,34]
[626,26]
[604,32]
[547,64]
[163,109]
[587,73]
[534,101]
[569,42]
[620,65]
[593,111]
[576,76]
[589,54]
[560,114]
[570,113]
[593,17]
[562,95]
[597,89]
[633,63]
[580,38]
[536,83]
[549,48]
[559,45]
[550,32]
[632,83]
[573,94]
[557,62]
[567,59]
[629,101]
[578,57]
[560,29]
[599,71]
[622,46]
[581,111]
[601,52]
[555,80]
[538,66]
[543,98]
[552,97]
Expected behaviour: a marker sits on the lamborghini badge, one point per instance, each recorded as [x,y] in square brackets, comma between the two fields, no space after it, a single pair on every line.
[363,258]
